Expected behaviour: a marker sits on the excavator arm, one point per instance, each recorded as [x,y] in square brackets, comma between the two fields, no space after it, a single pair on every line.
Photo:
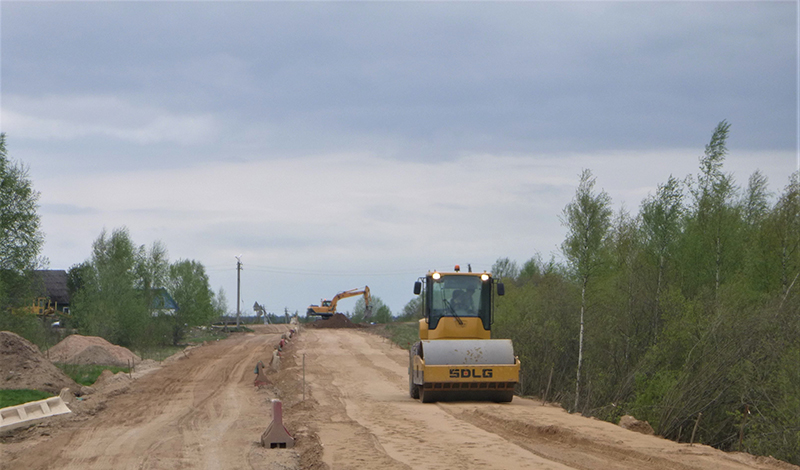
[351,293]
[328,308]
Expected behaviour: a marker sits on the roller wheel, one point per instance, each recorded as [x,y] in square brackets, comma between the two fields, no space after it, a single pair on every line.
[427,397]
[413,389]
[504,397]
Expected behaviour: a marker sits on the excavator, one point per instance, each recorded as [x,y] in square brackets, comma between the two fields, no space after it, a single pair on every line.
[327,308]
[455,358]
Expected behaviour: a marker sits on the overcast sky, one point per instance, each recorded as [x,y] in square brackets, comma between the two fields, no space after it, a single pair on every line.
[337,145]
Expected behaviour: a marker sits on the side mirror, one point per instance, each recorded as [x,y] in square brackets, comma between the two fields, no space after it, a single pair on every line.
[417,288]
[501,289]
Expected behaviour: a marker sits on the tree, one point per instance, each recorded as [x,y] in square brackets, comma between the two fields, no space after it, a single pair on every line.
[661,221]
[787,224]
[756,199]
[531,269]
[588,219]
[20,236]
[188,284]
[152,269]
[504,268]
[380,312]
[220,303]
[412,310]
[712,226]
[108,303]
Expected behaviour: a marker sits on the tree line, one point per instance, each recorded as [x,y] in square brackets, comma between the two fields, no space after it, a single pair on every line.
[684,314]
[123,292]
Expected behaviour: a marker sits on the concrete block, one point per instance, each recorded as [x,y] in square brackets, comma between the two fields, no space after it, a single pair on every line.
[18,416]
[276,435]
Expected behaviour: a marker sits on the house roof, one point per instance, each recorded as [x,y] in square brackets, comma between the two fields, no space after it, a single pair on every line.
[162,300]
[55,285]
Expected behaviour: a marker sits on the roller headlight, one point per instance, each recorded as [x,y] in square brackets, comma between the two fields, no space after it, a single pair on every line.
[436,276]
[484,277]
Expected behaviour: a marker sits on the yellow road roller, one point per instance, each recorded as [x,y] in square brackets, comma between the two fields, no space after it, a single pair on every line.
[455,358]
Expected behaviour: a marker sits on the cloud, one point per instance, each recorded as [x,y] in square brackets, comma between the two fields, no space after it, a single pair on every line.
[377,138]
[67,118]
[419,81]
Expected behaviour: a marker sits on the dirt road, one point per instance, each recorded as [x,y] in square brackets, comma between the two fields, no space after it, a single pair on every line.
[201,411]
[204,412]
[365,419]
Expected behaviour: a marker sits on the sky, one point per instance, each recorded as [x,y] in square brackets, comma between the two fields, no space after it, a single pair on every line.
[333,145]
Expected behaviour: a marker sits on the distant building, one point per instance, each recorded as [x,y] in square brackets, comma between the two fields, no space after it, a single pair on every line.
[51,290]
[163,303]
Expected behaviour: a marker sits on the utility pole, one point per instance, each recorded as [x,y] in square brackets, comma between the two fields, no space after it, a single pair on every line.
[238,289]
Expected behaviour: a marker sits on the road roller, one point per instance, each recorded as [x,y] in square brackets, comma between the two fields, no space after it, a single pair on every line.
[456,357]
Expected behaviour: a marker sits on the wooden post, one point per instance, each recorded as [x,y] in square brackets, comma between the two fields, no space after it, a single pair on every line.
[547,391]
[741,430]
[696,423]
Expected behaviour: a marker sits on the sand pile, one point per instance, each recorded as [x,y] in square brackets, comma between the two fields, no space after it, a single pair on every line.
[337,320]
[91,350]
[633,424]
[22,366]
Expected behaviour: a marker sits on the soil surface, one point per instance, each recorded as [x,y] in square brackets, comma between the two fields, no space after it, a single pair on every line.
[23,366]
[91,350]
[352,411]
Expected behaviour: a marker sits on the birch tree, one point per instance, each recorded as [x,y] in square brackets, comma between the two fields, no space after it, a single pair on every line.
[661,219]
[588,219]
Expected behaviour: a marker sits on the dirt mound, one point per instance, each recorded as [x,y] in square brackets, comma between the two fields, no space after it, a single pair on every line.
[108,378]
[91,350]
[22,366]
[633,424]
[337,320]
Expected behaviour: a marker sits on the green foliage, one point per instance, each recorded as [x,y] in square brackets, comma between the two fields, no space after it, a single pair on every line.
[85,374]
[119,294]
[380,312]
[20,236]
[27,326]
[505,269]
[108,303]
[20,243]
[189,286]
[412,310]
[692,306]
[18,397]
[588,219]
[403,334]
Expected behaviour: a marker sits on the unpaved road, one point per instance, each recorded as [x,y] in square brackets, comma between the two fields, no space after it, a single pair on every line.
[204,412]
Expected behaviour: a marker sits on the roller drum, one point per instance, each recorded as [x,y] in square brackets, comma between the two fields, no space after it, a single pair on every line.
[468,351]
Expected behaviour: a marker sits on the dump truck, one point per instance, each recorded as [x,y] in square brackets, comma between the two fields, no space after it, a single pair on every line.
[456,358]
[327,308]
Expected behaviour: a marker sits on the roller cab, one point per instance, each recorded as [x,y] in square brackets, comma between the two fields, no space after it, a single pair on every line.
[456,359]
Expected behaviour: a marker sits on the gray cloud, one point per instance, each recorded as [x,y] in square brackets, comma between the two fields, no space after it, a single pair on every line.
[377,137]
[426,80]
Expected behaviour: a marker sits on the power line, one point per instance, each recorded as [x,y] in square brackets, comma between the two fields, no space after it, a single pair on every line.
[318,272]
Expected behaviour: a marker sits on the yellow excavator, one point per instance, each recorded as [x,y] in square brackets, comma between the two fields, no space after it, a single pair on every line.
[456,359]
[327,308]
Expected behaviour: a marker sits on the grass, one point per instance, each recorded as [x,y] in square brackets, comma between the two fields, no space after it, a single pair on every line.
[159,353]
[87,374]
[402,334]
[18,397]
